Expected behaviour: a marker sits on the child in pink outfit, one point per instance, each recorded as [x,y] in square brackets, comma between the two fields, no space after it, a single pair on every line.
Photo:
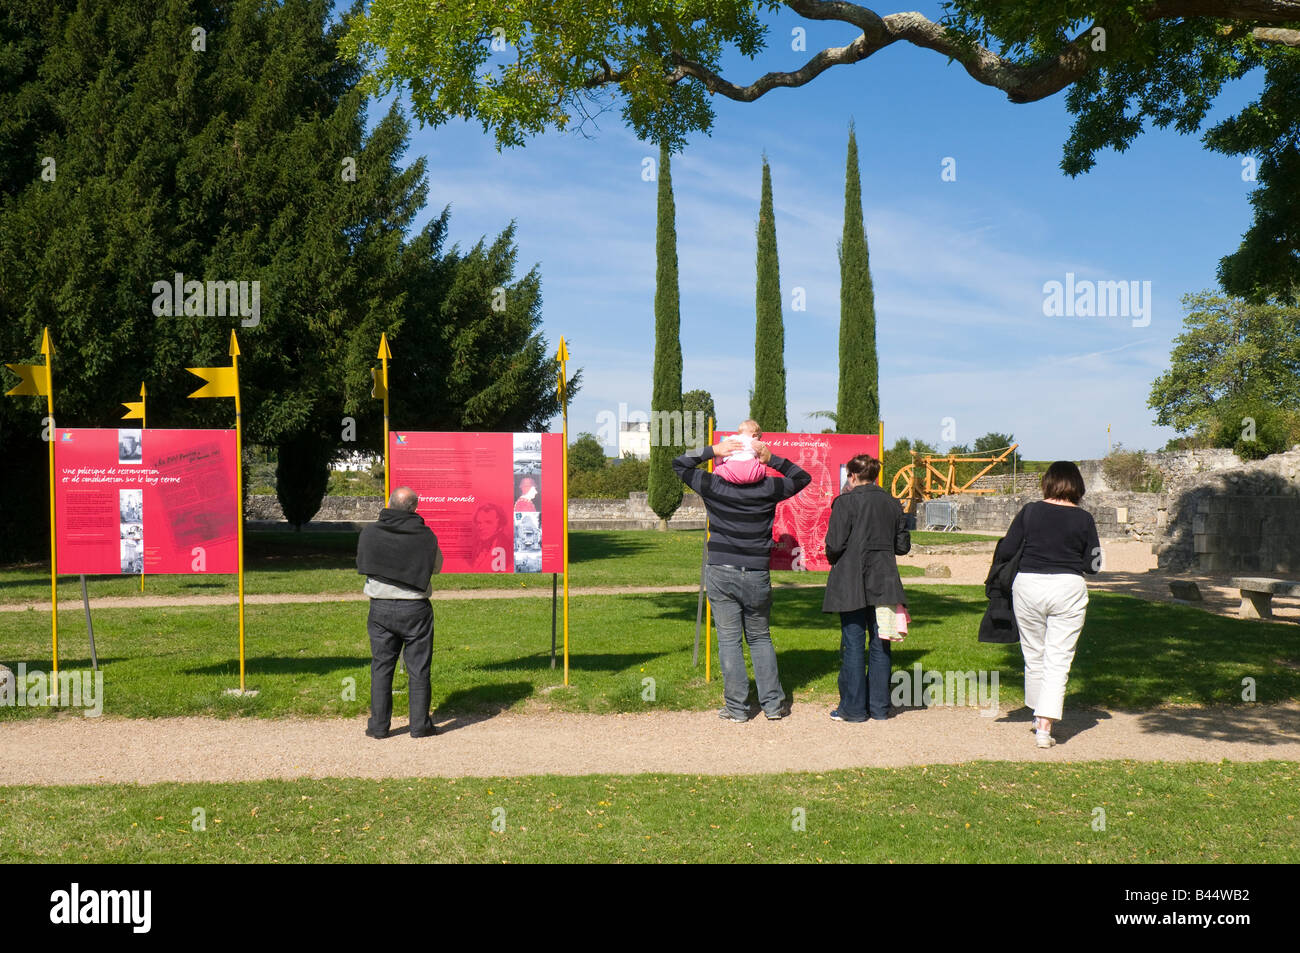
[743,466]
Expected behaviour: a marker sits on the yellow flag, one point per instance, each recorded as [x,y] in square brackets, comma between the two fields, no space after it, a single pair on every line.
[35,380]
[133,410]
[221,381]
[378,391]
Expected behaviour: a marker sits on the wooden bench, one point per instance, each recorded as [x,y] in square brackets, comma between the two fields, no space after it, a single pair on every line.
[1257,595]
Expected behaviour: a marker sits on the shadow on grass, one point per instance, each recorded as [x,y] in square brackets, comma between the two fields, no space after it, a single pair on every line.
[288,665]
[470,706]
[593,546]
[585,662]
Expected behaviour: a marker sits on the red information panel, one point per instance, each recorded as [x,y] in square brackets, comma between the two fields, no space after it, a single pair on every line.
[161,501]
[799,530]
[495,500]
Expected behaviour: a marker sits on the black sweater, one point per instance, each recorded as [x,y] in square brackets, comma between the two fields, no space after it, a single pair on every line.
[399,549]
[740,514]
[1057,538]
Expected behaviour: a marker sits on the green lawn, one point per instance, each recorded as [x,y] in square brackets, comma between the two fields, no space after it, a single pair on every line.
[495,652]
[325,562]
[1005,813]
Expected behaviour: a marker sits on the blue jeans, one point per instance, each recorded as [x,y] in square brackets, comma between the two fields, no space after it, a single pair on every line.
[741,602]
[856,666]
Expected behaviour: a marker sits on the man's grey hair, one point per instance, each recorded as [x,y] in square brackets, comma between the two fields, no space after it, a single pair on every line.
[404,498]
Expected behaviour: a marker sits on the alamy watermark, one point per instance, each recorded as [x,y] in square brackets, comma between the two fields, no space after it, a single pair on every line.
[69,689]
[946,689]
[209,299]
[1084,298]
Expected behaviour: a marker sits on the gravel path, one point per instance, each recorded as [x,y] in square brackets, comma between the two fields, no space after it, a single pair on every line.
[76,750]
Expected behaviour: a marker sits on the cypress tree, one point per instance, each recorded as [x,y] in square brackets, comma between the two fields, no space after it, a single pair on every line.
[767,405]
[664,489]
[858,407]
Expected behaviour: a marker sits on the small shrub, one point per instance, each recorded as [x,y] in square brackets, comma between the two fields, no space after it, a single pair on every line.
[1129,470]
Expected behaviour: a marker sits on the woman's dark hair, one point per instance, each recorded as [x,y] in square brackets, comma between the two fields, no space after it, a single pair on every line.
[865,467]
[1063,481]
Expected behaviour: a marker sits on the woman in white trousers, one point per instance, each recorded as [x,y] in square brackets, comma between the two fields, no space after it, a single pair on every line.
[1049,595]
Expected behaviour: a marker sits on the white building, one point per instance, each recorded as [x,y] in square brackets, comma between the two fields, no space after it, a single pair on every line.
[634,438]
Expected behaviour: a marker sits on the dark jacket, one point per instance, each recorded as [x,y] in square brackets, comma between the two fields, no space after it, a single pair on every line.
[399,549]
[867,530]
[999,622]
[740,514]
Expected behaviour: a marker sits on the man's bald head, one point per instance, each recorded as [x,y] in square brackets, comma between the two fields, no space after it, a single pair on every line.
[404,498]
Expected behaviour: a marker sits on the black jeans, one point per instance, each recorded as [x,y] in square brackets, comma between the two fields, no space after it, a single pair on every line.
[395,624]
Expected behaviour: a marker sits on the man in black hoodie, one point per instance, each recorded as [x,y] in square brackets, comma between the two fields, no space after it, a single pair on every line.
[398,554]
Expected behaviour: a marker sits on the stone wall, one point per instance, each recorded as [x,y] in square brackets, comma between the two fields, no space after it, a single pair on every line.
[1243,519]
[633,513]
[1118,515]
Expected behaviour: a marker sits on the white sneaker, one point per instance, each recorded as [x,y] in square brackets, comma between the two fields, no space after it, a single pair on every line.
[1044,739]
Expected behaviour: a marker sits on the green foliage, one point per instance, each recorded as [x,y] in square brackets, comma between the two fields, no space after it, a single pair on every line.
[1129,470]
[302,473]
[560,62]
[613,482]
[227,165]
[767,405]
[551,50]
[355,483]
[1230,355]
[899,456]
[666,396]
[992,442]
[700,401]
[586,454]
[1254,428]
[857,409]
[470,353]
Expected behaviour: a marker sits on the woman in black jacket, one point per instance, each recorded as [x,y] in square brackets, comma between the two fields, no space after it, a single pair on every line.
[867,530]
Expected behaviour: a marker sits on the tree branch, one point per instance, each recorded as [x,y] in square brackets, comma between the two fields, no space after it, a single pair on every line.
[1021,83]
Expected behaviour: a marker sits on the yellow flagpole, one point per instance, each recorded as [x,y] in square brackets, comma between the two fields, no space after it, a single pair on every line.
[708,608]
[880,477]
[563,356]
[239,493]
[384,354]
[144,425]
[48,350]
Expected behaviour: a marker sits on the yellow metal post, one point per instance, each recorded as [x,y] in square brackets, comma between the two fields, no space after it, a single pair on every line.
[563,356]
[708,608]
[48,350]
[239,495]
[36,380]
[880,477]
[224,382]
[384,354]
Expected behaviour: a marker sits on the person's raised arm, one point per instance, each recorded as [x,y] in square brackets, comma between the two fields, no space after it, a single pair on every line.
[687,465]
[793,477]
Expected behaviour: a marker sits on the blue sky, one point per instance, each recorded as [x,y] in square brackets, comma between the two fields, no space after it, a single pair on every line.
[958,267]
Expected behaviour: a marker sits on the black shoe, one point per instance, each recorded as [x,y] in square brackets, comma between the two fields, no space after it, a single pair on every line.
[433,730]
[726,715]
[376,734]
[777,716]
